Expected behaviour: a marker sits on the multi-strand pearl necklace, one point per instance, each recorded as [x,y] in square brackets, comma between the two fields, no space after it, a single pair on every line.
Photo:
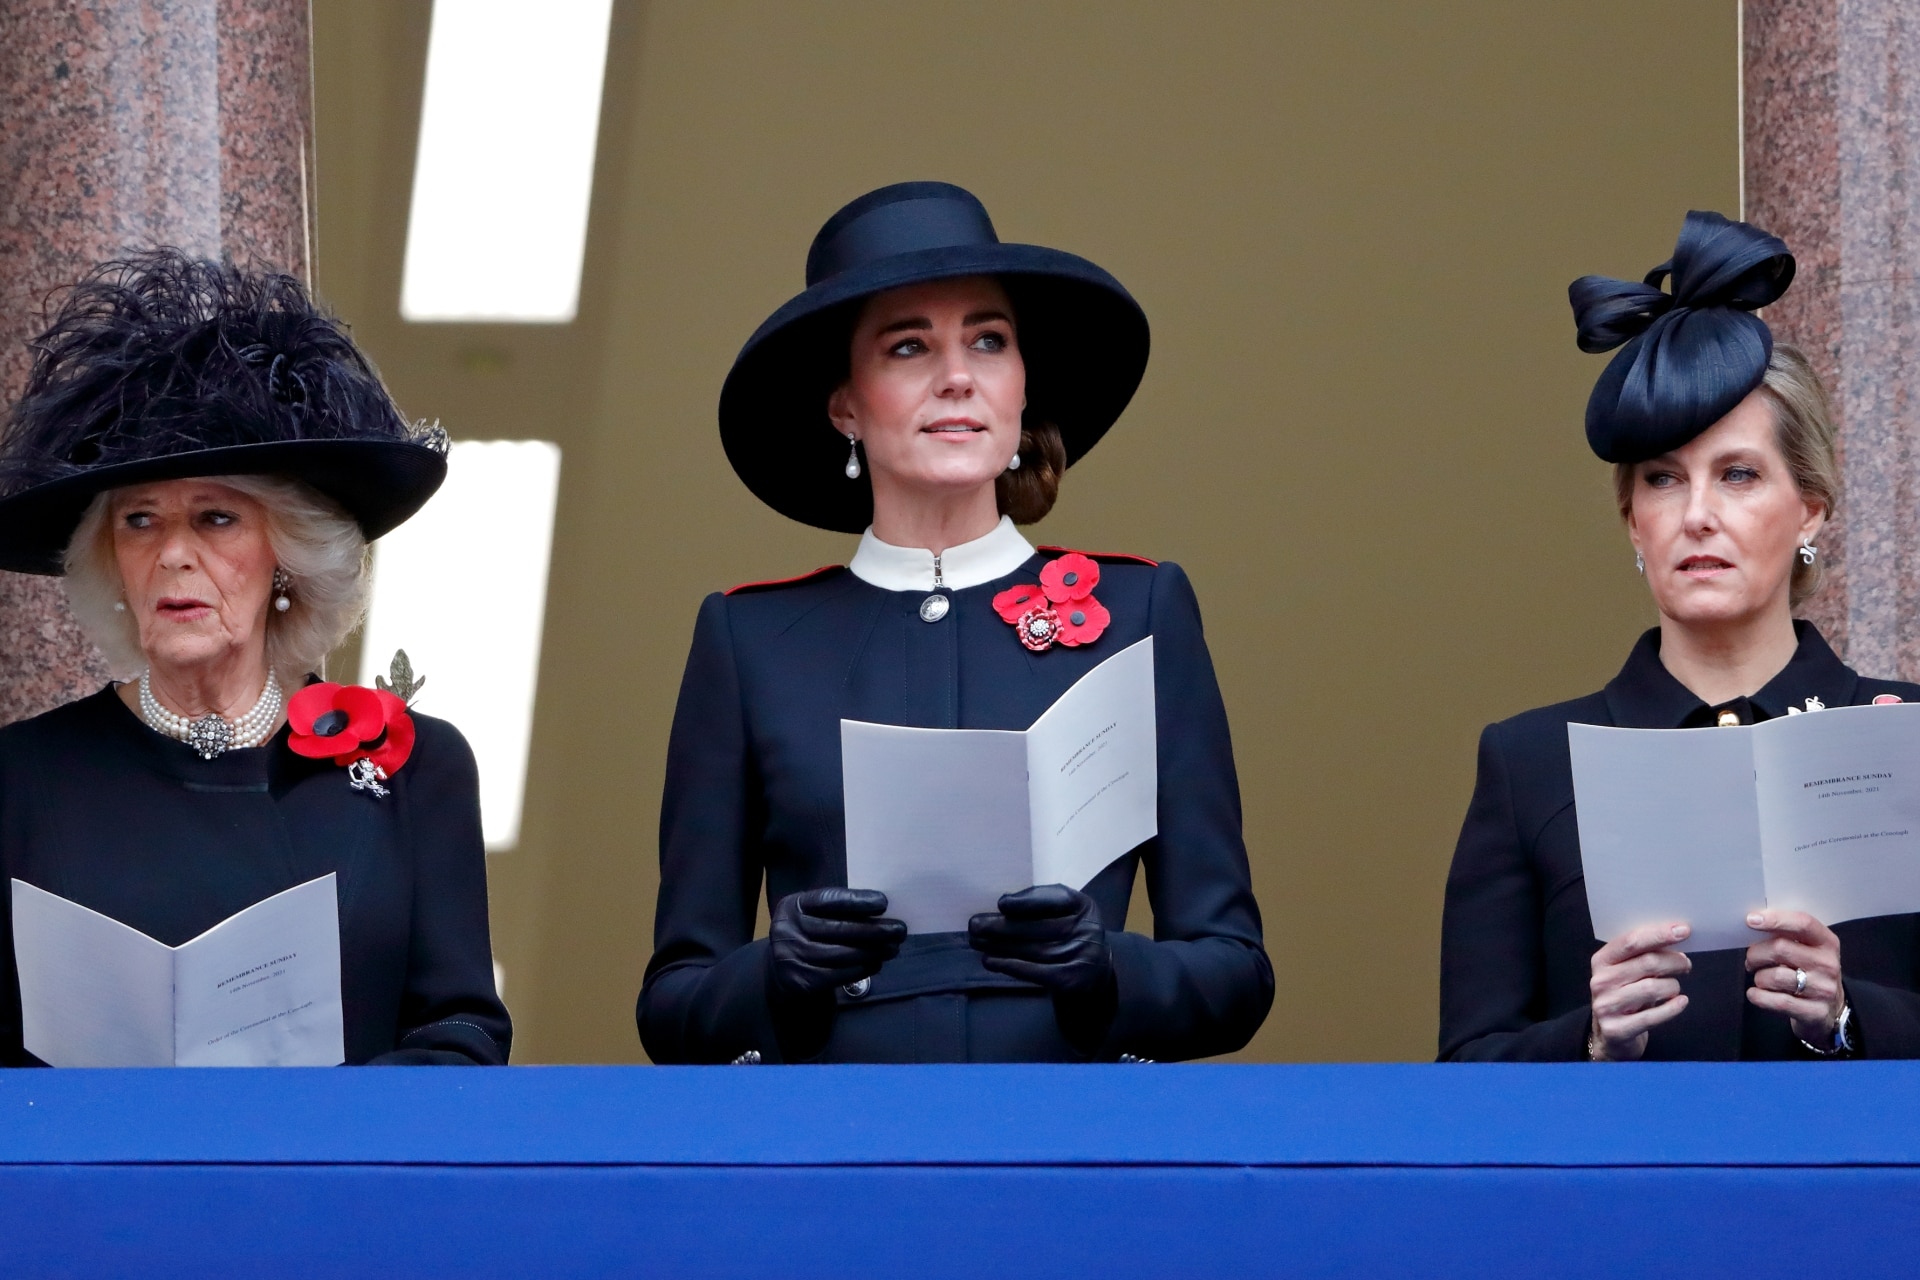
[212,734]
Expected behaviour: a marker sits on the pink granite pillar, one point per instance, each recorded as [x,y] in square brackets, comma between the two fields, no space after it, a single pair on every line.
[123,126]
[1832,164]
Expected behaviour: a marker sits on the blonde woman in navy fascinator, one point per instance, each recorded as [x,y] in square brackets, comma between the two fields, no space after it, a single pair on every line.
[202,456]
[1724,473]
[927,392]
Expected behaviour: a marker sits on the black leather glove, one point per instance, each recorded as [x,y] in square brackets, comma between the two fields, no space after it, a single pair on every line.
[1048,935]
[824,938]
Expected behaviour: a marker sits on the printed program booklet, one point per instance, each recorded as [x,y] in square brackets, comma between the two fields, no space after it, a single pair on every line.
[259,989]
[944,821]
[1817,812]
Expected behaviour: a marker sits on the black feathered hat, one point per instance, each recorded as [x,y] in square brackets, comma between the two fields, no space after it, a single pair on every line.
[1692,354]
[161,366]
[1082,336]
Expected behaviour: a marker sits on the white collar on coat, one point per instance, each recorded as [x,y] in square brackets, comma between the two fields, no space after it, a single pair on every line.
[894,568]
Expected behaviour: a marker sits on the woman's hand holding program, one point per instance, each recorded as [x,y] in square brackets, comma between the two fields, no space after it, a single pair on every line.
[1048,935]
[1636,987]
[824,938]
[1797,945]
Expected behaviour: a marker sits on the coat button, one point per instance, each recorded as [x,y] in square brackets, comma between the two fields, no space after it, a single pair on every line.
[1729,719]
[934,608]
[857,990]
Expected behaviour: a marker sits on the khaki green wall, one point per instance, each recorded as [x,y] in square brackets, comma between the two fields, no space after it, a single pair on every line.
[1352,226]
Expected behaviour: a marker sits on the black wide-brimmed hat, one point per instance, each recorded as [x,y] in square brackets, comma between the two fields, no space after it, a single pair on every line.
[1082,337]
[161,366]
[1692,354]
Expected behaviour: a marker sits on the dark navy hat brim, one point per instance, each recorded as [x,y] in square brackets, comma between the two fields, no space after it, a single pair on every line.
[380,483]
[1082,336]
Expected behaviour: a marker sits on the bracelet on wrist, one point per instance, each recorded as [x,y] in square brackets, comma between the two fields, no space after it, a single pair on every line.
[1843,1044]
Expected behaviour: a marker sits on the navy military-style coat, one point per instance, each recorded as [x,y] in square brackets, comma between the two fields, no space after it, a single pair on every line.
[100,809]
[753,789]
[1517,941]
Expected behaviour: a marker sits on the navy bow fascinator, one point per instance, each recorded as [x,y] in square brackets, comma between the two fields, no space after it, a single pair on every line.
[1692,354]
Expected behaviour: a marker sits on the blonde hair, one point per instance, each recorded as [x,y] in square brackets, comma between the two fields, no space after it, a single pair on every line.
[1803,428]
[317,543]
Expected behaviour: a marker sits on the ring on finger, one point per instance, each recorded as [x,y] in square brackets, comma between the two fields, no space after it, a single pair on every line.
[1799,982]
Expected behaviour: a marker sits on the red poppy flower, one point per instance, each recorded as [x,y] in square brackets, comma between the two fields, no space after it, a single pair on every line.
[1071,577]
[1015,601]
[1038,628]
[1082,621]
[346,723]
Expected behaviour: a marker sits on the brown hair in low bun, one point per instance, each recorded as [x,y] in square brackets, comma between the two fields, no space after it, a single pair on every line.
[1029,493]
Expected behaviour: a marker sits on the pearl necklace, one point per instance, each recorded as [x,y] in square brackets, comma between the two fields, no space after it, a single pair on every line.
[211,735]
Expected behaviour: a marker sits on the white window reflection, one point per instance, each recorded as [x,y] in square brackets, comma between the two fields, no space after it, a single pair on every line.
[504,170]
[462,587]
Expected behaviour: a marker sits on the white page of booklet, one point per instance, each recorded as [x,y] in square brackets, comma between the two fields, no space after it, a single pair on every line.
[1818,812]
[93,992]
[944,821]
[1093,765]
[1839,801]
[1669,831]
[261,988]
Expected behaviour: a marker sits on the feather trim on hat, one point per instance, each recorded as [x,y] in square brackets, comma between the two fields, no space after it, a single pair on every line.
[160,354]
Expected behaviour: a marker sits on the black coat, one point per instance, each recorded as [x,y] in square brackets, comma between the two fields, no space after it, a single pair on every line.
[98,808]
[1517,942]
[754,788]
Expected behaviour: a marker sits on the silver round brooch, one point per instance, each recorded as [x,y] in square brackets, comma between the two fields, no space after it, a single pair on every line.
[210,736]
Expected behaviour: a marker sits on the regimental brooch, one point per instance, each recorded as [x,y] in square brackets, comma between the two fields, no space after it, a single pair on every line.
[1061,609]
[365,731]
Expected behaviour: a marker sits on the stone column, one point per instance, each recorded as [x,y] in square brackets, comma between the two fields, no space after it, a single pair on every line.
[1831,158]
[124,126]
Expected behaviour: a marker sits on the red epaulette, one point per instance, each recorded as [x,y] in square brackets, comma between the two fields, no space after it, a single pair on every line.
[1101,557]
[784,582]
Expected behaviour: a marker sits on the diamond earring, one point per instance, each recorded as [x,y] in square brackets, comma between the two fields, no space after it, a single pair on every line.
[282,585]
[1639,564]
[1808,551]
[853,457]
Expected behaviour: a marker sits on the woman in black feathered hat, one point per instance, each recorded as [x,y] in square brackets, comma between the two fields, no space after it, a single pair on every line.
[928,390]
[205,457]
[1724,472]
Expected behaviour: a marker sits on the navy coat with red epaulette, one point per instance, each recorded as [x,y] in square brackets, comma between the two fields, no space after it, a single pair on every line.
[753,790]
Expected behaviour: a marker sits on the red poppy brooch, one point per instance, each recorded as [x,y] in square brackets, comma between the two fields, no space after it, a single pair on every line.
[365,731]
[1061,609]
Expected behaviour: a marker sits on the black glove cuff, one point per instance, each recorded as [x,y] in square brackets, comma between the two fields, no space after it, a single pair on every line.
[802,1020]
[1086,1017]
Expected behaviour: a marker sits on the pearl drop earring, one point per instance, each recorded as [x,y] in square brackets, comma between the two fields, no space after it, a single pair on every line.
[853,457]
[282,584]
[1015,464]
[1639,564]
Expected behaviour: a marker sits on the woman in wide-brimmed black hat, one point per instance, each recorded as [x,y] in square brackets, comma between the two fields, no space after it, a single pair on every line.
[929,390]
[1724,474]
[205,456]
